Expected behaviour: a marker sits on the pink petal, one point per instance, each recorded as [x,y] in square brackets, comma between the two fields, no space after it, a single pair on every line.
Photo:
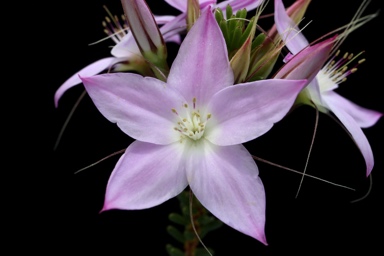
[171,30]
[145,176]
[142,24]
[354,129]
[141,106]
[295,11]
[201,67]
[91,69]
[126,48]
[364,117]
[240,4]
[172,36]
[177,4]
[225,180]
[307,63]
[246,111]
[163,19]
[289,32]
[182,5]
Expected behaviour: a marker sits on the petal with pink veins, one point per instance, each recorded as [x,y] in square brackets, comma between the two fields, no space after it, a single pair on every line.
[364,117]
[226,182]
[246,111]
[353,128]
[146,176]
[90,70]
[141,106]
[288,30]
[201,67]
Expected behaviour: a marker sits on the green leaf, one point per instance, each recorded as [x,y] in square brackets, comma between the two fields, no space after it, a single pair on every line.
[189,234]
[246,32]
[178,219]
[203,252]
[205,219]
[236,38]
[175,233]
[258,40]
[229,11]
[219,15]
[185,211]
[224,28]
[242,14]
[173,251]
[209,227]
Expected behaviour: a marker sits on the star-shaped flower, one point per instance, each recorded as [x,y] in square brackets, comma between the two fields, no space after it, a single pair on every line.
[189,131]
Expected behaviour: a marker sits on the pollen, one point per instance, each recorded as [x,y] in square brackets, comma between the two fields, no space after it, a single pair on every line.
[190,123]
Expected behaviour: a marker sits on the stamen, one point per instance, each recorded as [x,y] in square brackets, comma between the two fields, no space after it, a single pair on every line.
[336,71]
[192,125]
[115,29]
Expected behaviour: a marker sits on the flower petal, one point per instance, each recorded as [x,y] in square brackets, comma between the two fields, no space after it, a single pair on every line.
[201,67]
[225,180]
[92,69]
[168,37]
[142,25]
[182,5]
[289,32]
[171,30]
[295,11]
[364,117]
[126,48]
[240,4]
[145,176]
[246,111]
[307,63]
[141,106]
[163,19]
[354,129]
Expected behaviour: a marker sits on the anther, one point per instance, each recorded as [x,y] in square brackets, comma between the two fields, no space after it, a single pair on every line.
[361,61]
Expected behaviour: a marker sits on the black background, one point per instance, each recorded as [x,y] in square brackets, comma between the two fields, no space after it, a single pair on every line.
[59,211]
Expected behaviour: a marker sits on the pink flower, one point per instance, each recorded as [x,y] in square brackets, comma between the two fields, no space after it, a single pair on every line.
[189,131]
[320,90]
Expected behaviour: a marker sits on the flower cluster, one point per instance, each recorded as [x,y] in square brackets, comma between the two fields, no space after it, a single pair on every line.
[227,86]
